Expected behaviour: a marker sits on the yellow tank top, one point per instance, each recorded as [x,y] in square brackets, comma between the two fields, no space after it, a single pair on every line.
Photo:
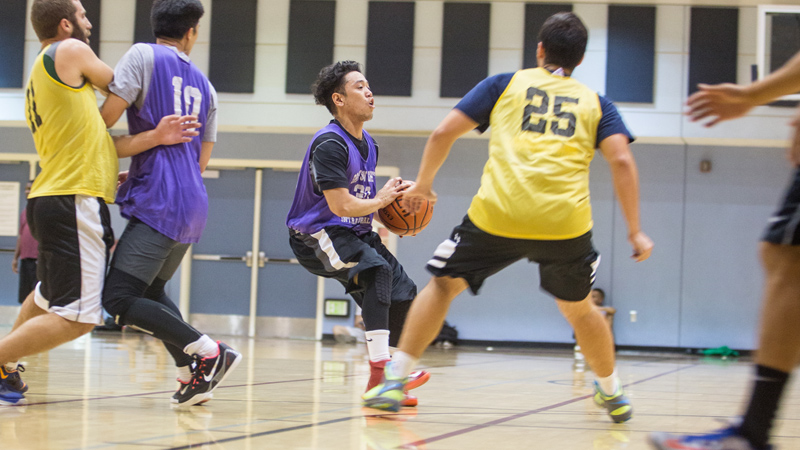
[535,184]
[76,153]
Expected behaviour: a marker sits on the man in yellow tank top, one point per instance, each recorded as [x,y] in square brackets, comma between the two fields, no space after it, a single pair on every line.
[533,203]
[67,211]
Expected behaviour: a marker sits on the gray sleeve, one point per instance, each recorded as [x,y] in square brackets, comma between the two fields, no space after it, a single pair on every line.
[132,75]
[210,134]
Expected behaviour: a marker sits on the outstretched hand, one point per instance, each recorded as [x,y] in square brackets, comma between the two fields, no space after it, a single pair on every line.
[175,129]
[415,195]
[719,102]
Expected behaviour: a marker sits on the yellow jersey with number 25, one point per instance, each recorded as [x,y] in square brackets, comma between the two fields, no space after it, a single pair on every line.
[535,184]
[76,153]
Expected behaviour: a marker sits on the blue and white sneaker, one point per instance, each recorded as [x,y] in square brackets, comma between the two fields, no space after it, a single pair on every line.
[8,396]
[727,439]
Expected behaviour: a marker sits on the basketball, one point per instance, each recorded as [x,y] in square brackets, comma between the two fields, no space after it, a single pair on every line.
[401,221]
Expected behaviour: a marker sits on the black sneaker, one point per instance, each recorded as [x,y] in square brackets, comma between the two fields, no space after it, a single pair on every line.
[210,372]
[176,397]
[12,380]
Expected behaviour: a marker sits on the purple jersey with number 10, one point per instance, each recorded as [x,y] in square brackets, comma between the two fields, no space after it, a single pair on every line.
[164,188]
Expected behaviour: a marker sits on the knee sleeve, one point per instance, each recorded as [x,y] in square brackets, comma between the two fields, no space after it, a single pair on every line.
[121,290]
[377,298]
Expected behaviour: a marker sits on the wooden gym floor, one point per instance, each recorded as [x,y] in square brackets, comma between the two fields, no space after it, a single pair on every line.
[111,391]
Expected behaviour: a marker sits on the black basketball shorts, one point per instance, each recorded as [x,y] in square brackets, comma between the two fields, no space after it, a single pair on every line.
[784,226]
[74,234]
[338,253]
[566,267]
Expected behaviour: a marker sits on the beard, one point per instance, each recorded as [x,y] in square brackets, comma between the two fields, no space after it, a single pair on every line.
[78,33]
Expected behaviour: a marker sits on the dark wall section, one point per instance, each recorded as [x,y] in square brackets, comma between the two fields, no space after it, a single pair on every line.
[310,43]
[390,47]
[535,15]
[92,8]
[142,29]
[713,44]
[465,47]
[232,56]
[12,45]
[631,53]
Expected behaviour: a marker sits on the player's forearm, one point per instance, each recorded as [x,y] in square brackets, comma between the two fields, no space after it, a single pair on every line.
[357,207]
[626,186]
[133,145]
[436,150]
[783,81]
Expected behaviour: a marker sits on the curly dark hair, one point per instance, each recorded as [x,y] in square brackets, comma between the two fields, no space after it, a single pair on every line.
[173,18]
[330,80]
[563,37]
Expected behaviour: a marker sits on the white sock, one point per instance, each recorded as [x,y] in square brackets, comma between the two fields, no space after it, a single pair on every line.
[378,345]
[11,366]
[185,374]
[204,347]
[609,384]
[402,364]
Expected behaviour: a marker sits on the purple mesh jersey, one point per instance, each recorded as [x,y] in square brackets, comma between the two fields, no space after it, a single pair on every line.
[164,188]
[310,212]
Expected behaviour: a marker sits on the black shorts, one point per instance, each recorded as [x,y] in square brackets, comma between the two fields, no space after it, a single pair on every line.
[566,267]
[74,234]
[784,225]
[338,253]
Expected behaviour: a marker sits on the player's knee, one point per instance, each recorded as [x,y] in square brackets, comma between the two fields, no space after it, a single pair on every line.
[119,293]
[448,288]
[573,310]
[156,290]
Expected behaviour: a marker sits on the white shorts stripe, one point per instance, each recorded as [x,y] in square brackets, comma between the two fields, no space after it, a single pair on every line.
[444,251]
[437,263]
[326,245]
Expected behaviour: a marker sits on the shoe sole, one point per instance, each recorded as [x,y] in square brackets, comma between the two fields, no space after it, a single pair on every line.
[382,403]
[626,416]
[417,382]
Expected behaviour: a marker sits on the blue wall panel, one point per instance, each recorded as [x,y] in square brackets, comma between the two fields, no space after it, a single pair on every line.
[726,212]
[224,287]
[651,288]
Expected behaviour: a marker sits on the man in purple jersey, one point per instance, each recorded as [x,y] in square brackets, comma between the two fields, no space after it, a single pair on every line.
[164,196]
[330,222]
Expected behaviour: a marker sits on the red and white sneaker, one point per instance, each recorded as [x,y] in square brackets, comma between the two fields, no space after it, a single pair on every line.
[417,379]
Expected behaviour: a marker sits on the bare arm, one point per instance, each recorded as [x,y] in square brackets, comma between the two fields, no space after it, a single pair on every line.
[343,204]
[170,130]
[205,155]
[452,127]
[112,109]
[76,63]
[617,152]
[729,101]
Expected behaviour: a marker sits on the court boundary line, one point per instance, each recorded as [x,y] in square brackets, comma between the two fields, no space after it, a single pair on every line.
[416,444]
[413,445]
